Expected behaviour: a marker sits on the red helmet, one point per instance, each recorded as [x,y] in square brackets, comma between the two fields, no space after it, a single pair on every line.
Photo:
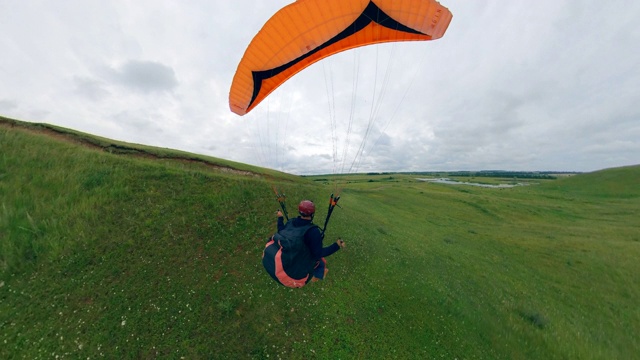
[306,208]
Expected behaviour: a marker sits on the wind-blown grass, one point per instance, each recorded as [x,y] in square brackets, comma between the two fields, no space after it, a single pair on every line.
[121,256]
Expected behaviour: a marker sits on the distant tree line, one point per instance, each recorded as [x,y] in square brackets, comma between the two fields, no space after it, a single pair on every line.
[504,174]
[482,173]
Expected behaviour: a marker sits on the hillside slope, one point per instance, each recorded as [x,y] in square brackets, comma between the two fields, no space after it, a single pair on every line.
[185,160]
[113,254]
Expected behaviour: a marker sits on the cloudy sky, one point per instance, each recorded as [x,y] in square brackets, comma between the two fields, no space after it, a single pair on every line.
[512,85]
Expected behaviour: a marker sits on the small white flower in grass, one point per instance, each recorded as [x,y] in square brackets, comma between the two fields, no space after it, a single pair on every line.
[123,322]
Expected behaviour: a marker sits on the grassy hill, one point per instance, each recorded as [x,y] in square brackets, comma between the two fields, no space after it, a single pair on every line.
[116,250]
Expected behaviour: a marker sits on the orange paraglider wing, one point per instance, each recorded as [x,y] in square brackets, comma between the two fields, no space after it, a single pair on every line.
[307,31]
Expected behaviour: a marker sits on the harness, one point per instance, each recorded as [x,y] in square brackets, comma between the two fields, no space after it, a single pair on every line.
[287,258]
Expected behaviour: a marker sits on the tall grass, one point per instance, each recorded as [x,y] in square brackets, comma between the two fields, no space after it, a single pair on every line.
[106,255]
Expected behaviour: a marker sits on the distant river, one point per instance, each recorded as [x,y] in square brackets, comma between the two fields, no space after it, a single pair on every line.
[453,182]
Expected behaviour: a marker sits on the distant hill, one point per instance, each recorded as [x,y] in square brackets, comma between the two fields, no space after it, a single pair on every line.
[623,182]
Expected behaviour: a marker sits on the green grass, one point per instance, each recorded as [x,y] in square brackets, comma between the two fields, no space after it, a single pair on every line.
[126,255]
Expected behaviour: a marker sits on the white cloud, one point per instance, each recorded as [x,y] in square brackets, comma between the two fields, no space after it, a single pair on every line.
[525,86]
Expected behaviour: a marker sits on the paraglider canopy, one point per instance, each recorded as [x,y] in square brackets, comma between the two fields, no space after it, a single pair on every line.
[307,31]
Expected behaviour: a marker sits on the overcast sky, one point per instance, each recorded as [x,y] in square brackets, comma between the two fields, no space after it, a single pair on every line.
[512,85]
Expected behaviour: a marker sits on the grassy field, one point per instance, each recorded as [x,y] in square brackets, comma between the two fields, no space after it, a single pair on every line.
[120,251]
